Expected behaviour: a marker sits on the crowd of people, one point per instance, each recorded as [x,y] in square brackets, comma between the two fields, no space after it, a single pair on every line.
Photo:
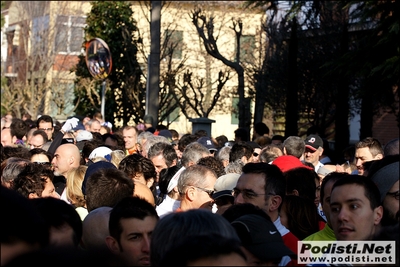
[82,192]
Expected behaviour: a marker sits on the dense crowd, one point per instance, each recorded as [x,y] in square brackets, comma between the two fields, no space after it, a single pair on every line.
[82,192]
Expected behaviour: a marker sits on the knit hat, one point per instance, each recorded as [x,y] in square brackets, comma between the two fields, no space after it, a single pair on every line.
[84,135]
[288,162]
[261,237]
[386,177]
[314,142]
[94,167]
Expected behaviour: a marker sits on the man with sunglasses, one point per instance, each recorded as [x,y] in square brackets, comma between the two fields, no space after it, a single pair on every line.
[196,187]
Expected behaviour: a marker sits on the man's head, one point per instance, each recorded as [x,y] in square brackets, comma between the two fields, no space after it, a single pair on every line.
[366,150]
[93,126]
[386,177]
[45,123]
[139,168]
[106,186]
[313,149]
[6,138]
[355,212]
[38,139]
[192,153]
[325,193]
[242,151]
[294,145]
[35,181]
[65,158]
[18,128]
[196,186]
[132,221]
[162,155]
[129,133]
[262,185]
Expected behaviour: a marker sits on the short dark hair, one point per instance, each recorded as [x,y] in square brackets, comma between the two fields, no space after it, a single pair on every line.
[45,118]
[333,176]
[106,187]
[129,207]
[371,191]
[18,128]
[136,163]
[274,179]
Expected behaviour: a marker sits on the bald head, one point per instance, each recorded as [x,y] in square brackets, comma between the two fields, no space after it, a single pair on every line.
[144,192]
[95,229]
[66,157]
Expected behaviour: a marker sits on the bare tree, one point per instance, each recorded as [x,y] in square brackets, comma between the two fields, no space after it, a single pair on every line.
[42,56]
[205,29]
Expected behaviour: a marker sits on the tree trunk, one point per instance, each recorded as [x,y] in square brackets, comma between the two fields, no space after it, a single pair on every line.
[292,116]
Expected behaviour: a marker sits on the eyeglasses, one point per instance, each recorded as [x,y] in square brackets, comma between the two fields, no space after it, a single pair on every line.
[255,154]
[45,129]
[208,191]
[38,146]
[248,194]
[393,194]
[43,163]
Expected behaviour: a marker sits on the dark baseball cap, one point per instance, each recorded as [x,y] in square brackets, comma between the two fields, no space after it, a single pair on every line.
[206,141]
[261,237]
[314,142]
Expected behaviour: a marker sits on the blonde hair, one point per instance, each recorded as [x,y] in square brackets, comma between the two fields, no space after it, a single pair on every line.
[75,179]
[117,156]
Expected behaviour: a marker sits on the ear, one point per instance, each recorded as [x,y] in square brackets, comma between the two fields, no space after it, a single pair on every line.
[379,156]
[112,244]
[276,201]
[14,139]
[190,193]
[378,213]
[150,182]
[295,192]
[32,196]
[284,151]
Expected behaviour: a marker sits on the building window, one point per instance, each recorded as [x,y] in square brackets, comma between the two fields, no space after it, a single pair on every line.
[173,43]
[247,48]
[70,35]
[40,33]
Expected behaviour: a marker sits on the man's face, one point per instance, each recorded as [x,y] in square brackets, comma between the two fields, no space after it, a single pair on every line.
[250,189]
[49,190]
[312,156]
[47,128]
[351,215]
[362,155]
[135,240]
[256,154]
[36,141]
[130,138]
[159,163]
[391,206]
[61,161]
[95,127]
[326,201]
[202,199]
[6,139]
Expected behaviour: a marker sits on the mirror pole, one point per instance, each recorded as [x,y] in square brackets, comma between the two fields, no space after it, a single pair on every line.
[103,98]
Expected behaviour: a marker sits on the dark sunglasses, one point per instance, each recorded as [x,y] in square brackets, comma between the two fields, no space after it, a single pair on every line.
[43,163]
[255,154]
